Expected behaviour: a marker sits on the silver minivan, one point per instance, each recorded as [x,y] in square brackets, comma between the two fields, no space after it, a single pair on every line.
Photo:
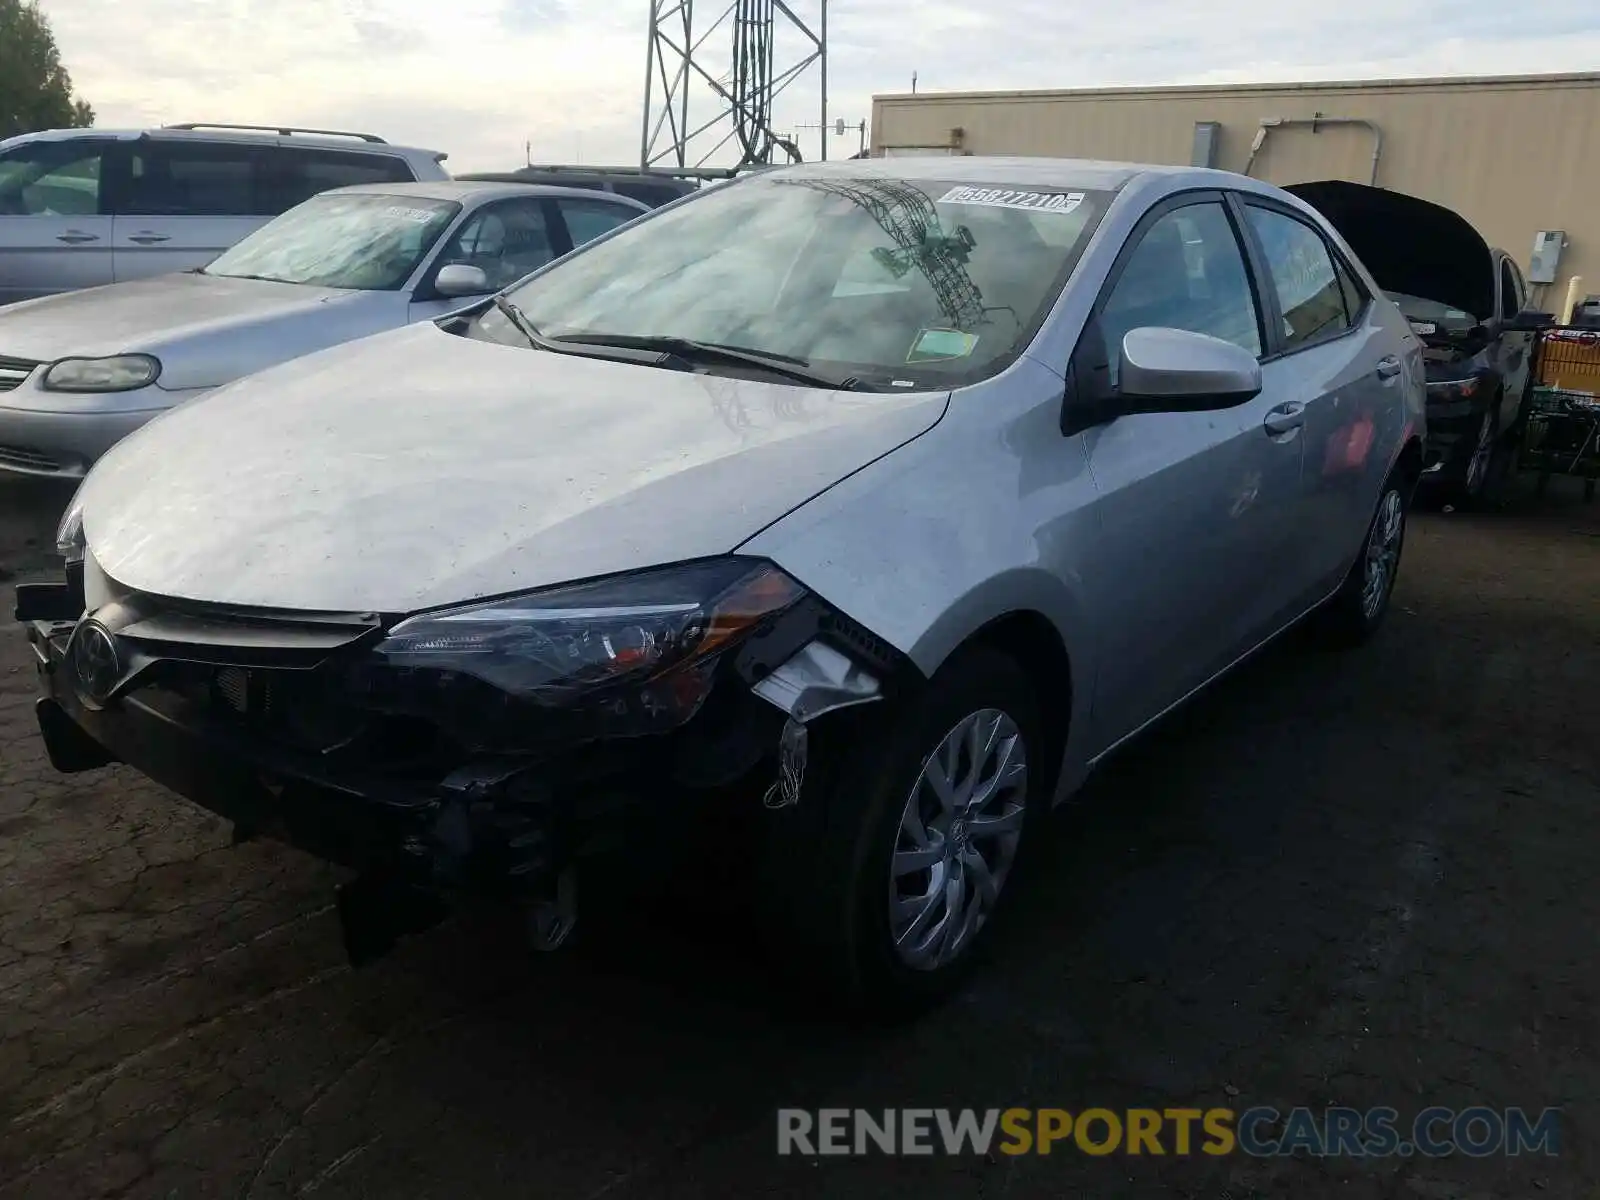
[85,207]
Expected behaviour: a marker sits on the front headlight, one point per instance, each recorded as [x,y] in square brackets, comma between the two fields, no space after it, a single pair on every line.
[122,373]
[630,654]
[1453,387]
[69,532]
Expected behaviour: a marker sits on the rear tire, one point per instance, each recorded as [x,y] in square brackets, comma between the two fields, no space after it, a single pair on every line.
[925,822]
[1362,601]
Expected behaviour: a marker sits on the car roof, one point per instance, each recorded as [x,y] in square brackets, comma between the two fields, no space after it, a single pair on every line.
[464,191]
[347,142]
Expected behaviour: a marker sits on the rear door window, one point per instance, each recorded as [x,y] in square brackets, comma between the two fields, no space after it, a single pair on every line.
[199,179]
[1310,298]
[588,219]
[295,174]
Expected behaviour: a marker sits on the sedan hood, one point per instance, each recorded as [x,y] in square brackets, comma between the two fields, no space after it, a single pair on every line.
[419,468]
[1410,245]
[163,314]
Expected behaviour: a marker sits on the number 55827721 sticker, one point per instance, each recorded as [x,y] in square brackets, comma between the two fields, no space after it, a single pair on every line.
[1049,202]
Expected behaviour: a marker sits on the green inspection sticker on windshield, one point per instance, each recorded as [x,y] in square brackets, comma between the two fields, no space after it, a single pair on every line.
[933,345]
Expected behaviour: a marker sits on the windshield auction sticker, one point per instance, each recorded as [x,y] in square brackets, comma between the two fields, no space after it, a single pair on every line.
[401,213]
[1051,202]
[934,345]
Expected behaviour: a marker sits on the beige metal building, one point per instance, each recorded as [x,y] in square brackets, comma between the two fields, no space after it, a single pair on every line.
[1515,155]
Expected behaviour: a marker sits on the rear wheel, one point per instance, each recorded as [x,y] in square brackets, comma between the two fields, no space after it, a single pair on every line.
[1359,606]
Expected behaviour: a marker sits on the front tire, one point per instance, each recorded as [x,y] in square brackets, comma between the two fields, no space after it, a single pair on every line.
[925,827]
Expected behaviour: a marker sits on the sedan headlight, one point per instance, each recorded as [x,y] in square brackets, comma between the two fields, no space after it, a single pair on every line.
[1453,387]
[122,373]
[627,655]
[69,533]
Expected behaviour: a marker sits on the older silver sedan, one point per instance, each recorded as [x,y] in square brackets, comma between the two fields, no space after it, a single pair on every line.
[80,371]
[856,509]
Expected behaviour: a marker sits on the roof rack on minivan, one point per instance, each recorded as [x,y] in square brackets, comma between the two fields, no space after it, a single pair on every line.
[283,130]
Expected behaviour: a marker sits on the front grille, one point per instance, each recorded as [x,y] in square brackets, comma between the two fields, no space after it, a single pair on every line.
[26,459]
[14,371]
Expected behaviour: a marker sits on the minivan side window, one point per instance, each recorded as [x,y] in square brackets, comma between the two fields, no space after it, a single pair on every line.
[191,179]
[1309,293]
[51,179]
[1187,272]
[298,173]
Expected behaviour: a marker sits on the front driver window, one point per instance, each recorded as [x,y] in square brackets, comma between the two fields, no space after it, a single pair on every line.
[1187,272]
[50,179]
[505,241]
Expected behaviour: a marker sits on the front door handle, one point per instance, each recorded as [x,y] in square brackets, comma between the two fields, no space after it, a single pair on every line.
[74,237]
[1388,367]
[1286,418]
[148,239]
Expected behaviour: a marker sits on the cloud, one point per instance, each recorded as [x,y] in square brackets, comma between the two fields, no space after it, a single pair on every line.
[479,78]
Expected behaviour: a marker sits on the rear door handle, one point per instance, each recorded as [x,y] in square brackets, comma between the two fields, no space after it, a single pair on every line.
[148,239]
[74,237]
[1286,418]
[1388,367]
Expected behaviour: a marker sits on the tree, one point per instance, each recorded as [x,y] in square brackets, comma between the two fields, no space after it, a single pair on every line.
[35,89]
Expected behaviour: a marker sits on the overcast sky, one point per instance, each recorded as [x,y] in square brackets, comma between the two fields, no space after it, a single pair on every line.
[479,78]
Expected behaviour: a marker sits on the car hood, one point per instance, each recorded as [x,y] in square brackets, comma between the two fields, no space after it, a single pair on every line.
[149,315]
[420,468]
[1410,245]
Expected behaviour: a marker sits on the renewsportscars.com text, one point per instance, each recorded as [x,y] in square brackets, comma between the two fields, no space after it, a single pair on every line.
[1436,1132]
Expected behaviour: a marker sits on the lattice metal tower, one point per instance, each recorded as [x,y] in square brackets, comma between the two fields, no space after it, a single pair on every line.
[733,92]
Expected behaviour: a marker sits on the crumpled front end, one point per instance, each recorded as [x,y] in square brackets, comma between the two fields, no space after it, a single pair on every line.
[429,761]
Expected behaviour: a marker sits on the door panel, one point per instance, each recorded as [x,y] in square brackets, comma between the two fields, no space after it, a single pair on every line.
[53,234]
[183,203]
[1329,363]
[1178,500]
[1193,506]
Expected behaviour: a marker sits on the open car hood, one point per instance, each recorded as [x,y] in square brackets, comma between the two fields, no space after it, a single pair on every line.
[1410,245]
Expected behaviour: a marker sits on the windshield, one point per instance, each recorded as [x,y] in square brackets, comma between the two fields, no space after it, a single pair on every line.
[363,242]
[1431,312]
[885,280]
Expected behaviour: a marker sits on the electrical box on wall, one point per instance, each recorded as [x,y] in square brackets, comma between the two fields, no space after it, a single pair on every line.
[1547,247]
[1207,135]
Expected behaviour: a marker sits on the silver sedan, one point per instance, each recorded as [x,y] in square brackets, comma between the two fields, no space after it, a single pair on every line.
[80,371]
[858,509]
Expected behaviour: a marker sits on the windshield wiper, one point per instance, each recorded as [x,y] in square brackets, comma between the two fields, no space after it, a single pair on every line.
[645,356]
[521,323]
[694,351]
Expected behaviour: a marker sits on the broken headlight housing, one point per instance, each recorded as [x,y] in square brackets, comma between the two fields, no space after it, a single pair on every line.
[616,657]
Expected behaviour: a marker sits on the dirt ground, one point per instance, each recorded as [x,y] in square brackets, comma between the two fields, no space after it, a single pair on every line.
[1365,879]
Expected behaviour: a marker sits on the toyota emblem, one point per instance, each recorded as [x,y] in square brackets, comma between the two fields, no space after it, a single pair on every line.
[96,662]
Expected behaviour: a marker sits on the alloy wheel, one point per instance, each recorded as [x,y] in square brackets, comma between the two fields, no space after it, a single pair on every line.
[1383,553]
[1482,455]
[958,839]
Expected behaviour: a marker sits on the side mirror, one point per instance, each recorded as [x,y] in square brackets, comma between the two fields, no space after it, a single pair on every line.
[1174,370]
[1527,321]
[460,279]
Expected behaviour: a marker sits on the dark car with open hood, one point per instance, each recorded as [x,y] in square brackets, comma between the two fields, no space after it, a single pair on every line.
[1467,303]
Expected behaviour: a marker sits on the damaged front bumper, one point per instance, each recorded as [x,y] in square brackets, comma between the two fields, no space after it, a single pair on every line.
[417,827]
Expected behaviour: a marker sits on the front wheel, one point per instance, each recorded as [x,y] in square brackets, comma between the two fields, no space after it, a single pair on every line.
[1362,601]
[923,835]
